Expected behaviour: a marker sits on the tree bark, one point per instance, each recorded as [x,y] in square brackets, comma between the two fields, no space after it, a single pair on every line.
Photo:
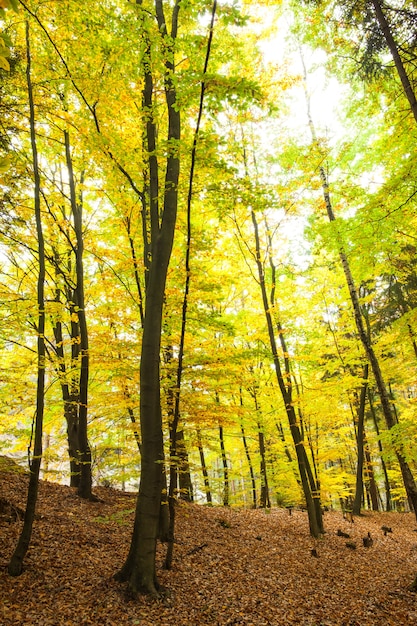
[264,501]
[282,437]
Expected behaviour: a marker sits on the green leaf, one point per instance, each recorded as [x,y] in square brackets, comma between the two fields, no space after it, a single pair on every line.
[5,161]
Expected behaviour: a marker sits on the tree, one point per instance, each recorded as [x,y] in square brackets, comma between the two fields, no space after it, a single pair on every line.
[284,378]
[16,561]
[139,568]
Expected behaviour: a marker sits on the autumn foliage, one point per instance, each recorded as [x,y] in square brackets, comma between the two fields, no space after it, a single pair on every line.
[208,290]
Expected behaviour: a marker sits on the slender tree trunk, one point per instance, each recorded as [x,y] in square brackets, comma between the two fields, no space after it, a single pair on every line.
[204,468]
[184,477]
[264,501]
[173,420]
[226,486]
[285,385]
[370,477]
[313,501]
[132,417]
[176,415]
[388,503]
[185,468]
[413,338]
[16,562]
[310,489]
[313,476]
[251,472]
[127,222]
[360,435]
[74,391]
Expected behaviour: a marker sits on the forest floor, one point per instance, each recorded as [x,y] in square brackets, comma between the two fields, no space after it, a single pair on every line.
[230,566]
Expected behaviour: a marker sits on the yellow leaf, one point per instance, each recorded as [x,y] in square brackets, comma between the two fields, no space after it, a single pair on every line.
[4,64]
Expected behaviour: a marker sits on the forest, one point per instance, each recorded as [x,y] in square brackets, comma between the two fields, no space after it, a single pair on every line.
[208,277]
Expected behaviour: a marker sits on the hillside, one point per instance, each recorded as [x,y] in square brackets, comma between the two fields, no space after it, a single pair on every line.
[231,566]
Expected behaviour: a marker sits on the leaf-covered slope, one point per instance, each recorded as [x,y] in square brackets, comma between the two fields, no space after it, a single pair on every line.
[230,566]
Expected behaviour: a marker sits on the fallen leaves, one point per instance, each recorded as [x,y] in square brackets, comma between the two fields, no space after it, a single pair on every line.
[230,566]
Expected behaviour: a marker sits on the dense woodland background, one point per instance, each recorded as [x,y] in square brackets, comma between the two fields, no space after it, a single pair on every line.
[269,359]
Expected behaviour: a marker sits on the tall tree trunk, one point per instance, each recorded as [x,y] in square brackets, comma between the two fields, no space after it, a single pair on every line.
[173,420]
[310,489]
[139,568]
[311,468]
[16,562]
